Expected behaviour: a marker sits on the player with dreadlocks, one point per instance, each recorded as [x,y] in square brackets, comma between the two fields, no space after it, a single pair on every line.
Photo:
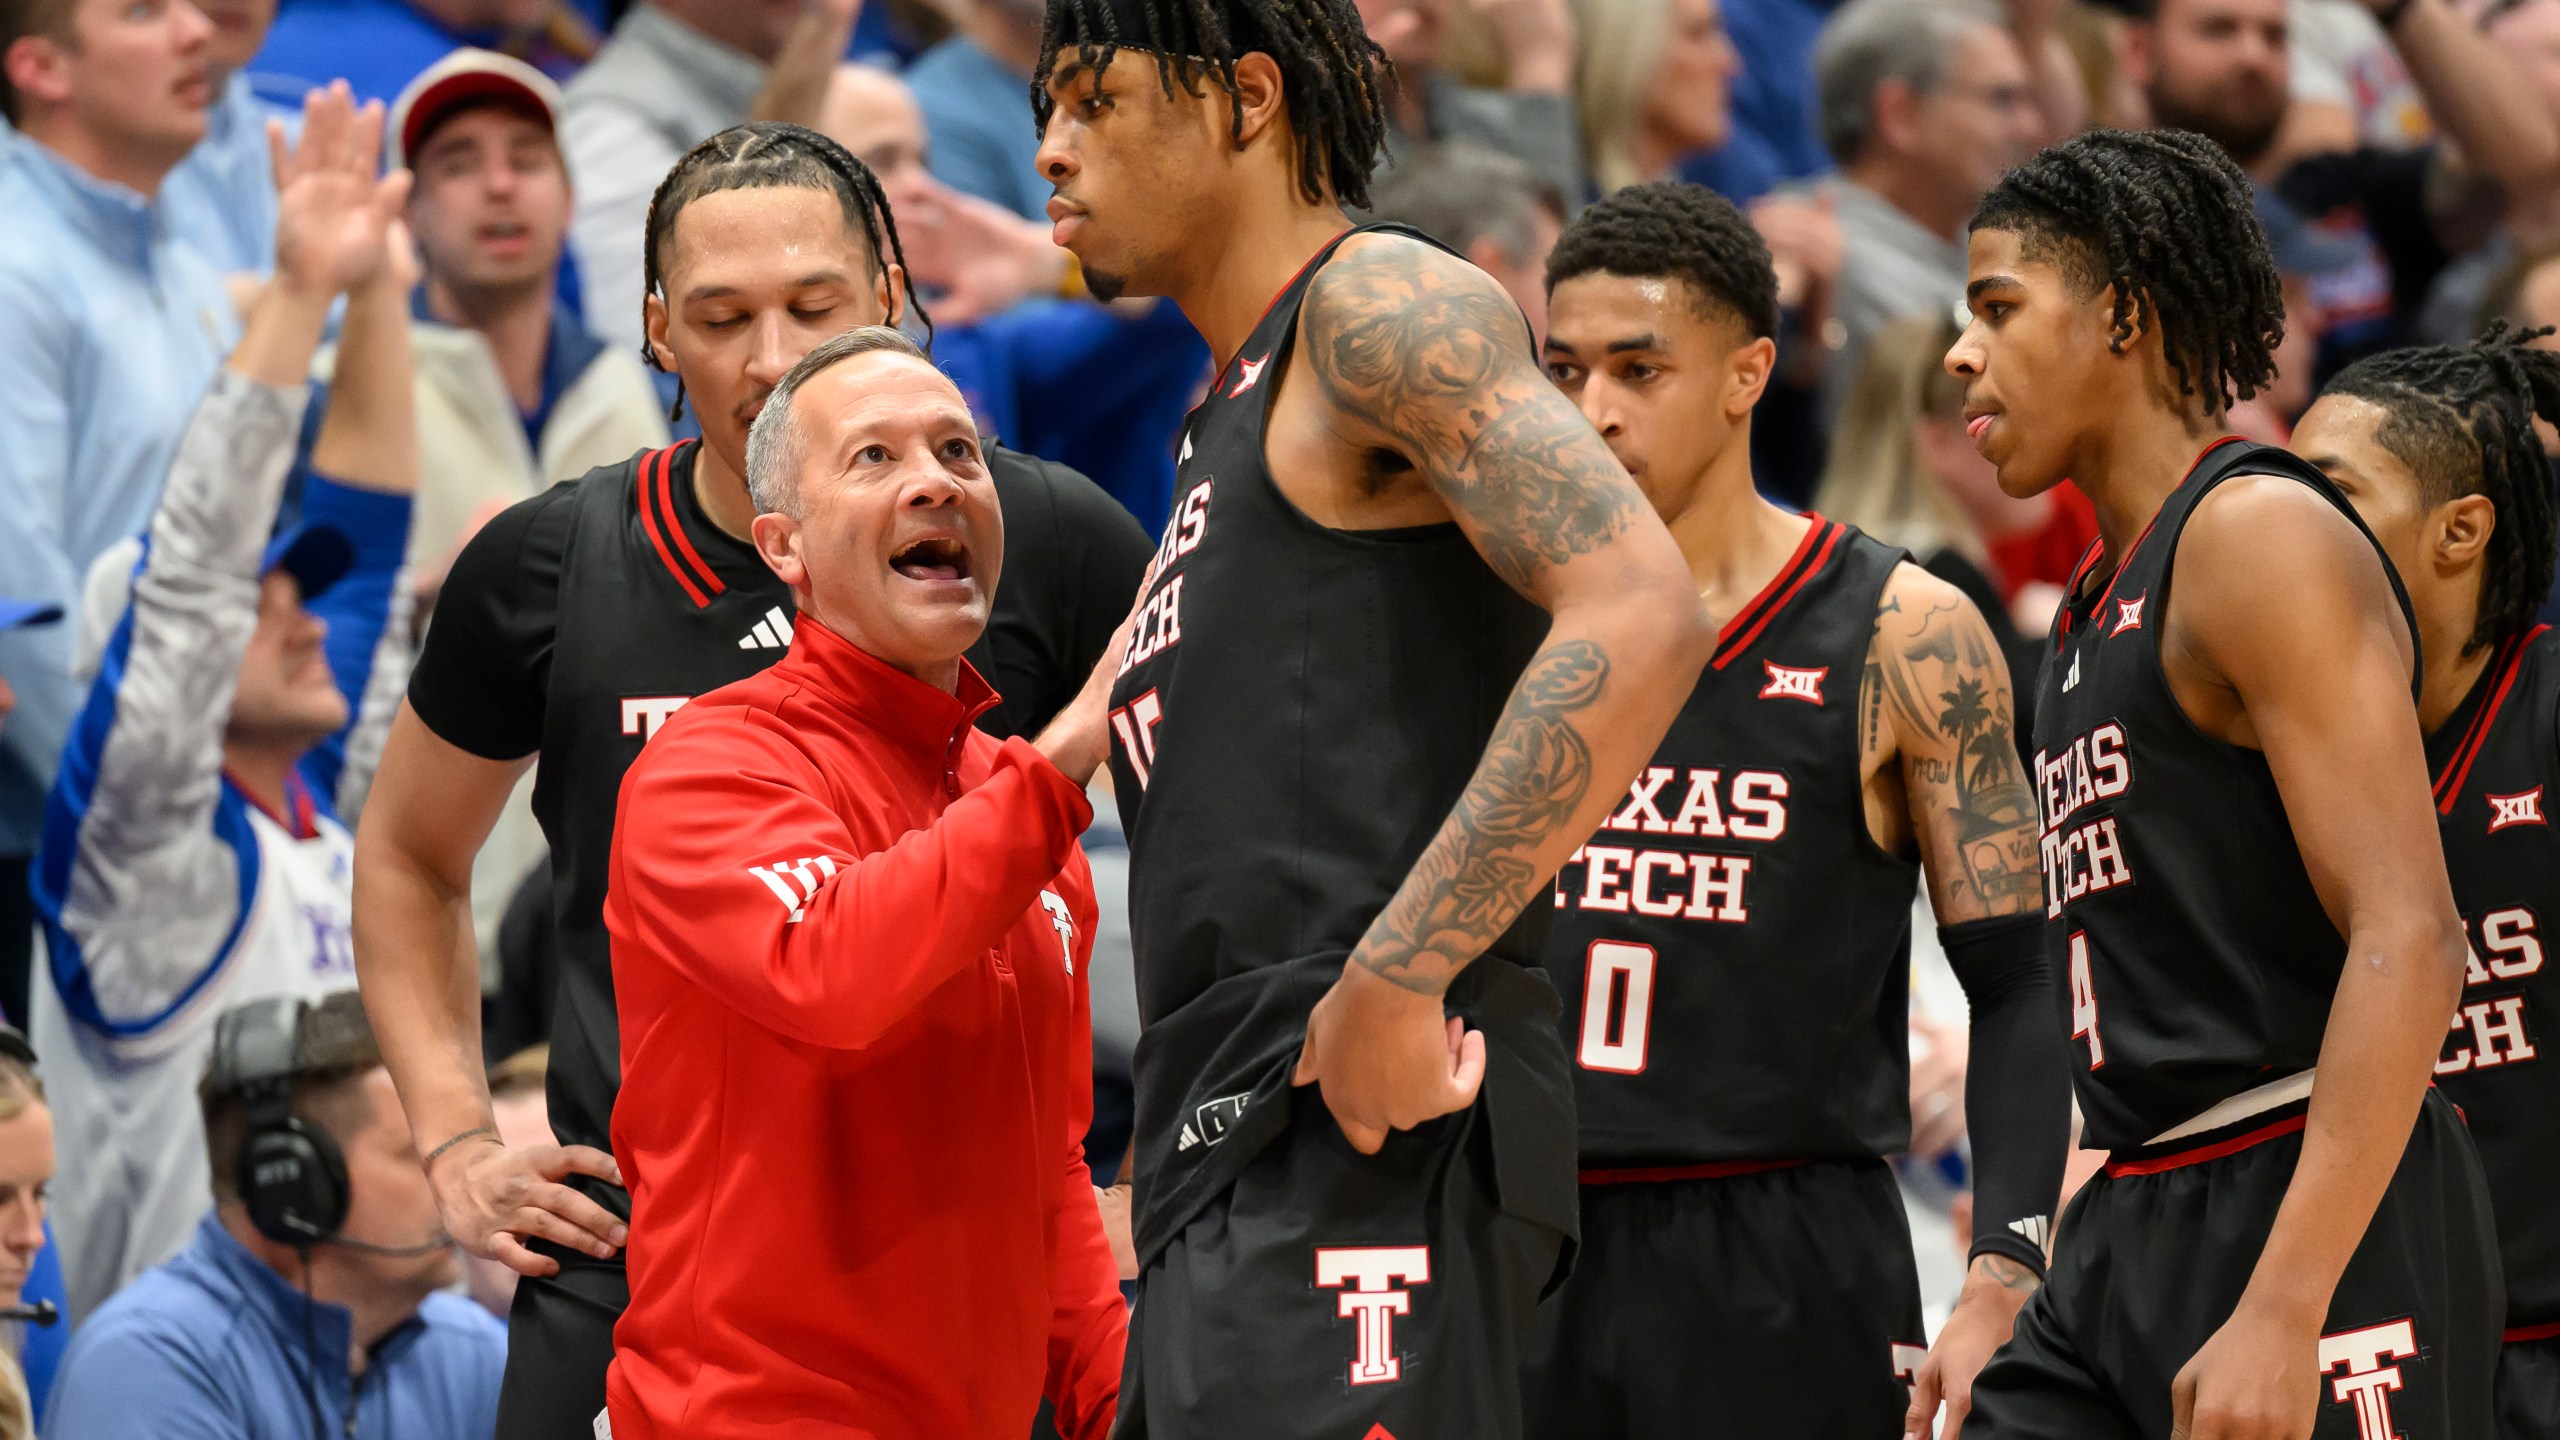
[2436,449]
[571,626]
[2290,1235]
[1409,636]
[1734,944]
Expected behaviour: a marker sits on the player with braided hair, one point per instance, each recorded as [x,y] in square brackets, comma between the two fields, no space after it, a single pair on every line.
[1724,916]
[1351,748]
[2247,894]
[2436,448]
[571,626]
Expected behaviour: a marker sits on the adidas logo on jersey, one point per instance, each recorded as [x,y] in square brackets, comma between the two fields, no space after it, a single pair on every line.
[2036,1229]
[1788,683]
[2071,677]
[773,632]
[1209,1124]
[2524,809]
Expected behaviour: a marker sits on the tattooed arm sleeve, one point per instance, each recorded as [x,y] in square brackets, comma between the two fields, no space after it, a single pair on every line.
[1423,353]
[1937,690]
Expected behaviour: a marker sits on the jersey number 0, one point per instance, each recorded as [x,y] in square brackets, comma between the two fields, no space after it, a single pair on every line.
[1618,1049]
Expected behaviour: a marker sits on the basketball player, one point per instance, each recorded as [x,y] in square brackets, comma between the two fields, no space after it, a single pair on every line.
[2473,541]
[1734,944]
[1349,750]
[570,628]
[2291,1234]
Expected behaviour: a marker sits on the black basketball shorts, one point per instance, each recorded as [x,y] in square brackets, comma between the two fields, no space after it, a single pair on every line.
[1780,1302]
[559,1344]
[2153,1255]
[2529,1384]
[1338,1296]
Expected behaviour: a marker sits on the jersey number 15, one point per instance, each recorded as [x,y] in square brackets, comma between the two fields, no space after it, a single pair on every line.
[1135,723]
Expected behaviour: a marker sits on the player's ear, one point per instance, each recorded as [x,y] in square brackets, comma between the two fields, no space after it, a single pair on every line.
[2126,318]
[777,538]
[892,279]
[1747,377]
[2463,528]
[1258,93]
[653,320]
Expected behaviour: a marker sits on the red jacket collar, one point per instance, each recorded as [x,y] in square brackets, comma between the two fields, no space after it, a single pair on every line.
[883,697]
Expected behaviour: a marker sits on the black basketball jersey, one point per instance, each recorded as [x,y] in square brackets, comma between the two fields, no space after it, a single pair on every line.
[1299,707]
[2200,962]
[1732,945]
[2492,760]
[1297,712]
[577,621]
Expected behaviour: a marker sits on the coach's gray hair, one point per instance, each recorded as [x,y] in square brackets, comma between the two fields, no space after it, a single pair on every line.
[1868,42]
[774,445]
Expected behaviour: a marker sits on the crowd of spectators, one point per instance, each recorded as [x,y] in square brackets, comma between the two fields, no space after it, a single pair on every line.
[256,398]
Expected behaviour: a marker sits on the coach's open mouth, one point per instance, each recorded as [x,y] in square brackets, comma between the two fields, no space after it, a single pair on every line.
[935,557]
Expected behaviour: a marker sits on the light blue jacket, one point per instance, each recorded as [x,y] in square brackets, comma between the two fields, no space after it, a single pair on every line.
[114,327]
[222,198]
[211,1347]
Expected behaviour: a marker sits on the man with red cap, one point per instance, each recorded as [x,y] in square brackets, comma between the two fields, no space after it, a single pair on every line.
[514,393]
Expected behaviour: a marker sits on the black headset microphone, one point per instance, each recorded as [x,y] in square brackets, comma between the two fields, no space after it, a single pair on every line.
[291,1176]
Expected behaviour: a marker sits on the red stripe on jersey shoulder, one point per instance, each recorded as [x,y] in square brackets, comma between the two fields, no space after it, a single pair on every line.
[1812,553]
[2136,547]
[651,495]
[667,499]
[1218,386]
[2457,767]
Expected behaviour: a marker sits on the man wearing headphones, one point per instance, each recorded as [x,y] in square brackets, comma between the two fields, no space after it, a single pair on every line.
[316,1299]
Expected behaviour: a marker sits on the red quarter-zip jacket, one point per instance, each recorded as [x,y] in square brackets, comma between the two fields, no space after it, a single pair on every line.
[849,945]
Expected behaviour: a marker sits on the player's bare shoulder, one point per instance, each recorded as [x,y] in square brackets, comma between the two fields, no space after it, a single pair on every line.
[2270,576]
[1425,355]
[1929,639]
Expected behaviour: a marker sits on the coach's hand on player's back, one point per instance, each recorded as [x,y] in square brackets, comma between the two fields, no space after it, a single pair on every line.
[1387,1058]
[2258,1378]
[494,1196]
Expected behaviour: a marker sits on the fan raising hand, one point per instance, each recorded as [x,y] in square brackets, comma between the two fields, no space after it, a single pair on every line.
[334,207]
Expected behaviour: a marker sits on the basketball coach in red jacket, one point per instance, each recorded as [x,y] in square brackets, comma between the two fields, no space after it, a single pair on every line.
[849,944]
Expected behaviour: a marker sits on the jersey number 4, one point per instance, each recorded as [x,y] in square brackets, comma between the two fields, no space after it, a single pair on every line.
[1615,967]
[2084,1000]
[1135,723]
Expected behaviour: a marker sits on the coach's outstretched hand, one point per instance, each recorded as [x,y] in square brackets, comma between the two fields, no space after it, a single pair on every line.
[2258,1378]
[1388,1058]
[493,1196]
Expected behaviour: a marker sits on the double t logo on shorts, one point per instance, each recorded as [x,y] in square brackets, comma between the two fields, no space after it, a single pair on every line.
[2365,1355]
[1370,1273]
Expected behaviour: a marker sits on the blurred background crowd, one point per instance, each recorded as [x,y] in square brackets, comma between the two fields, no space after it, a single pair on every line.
[2408,175]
